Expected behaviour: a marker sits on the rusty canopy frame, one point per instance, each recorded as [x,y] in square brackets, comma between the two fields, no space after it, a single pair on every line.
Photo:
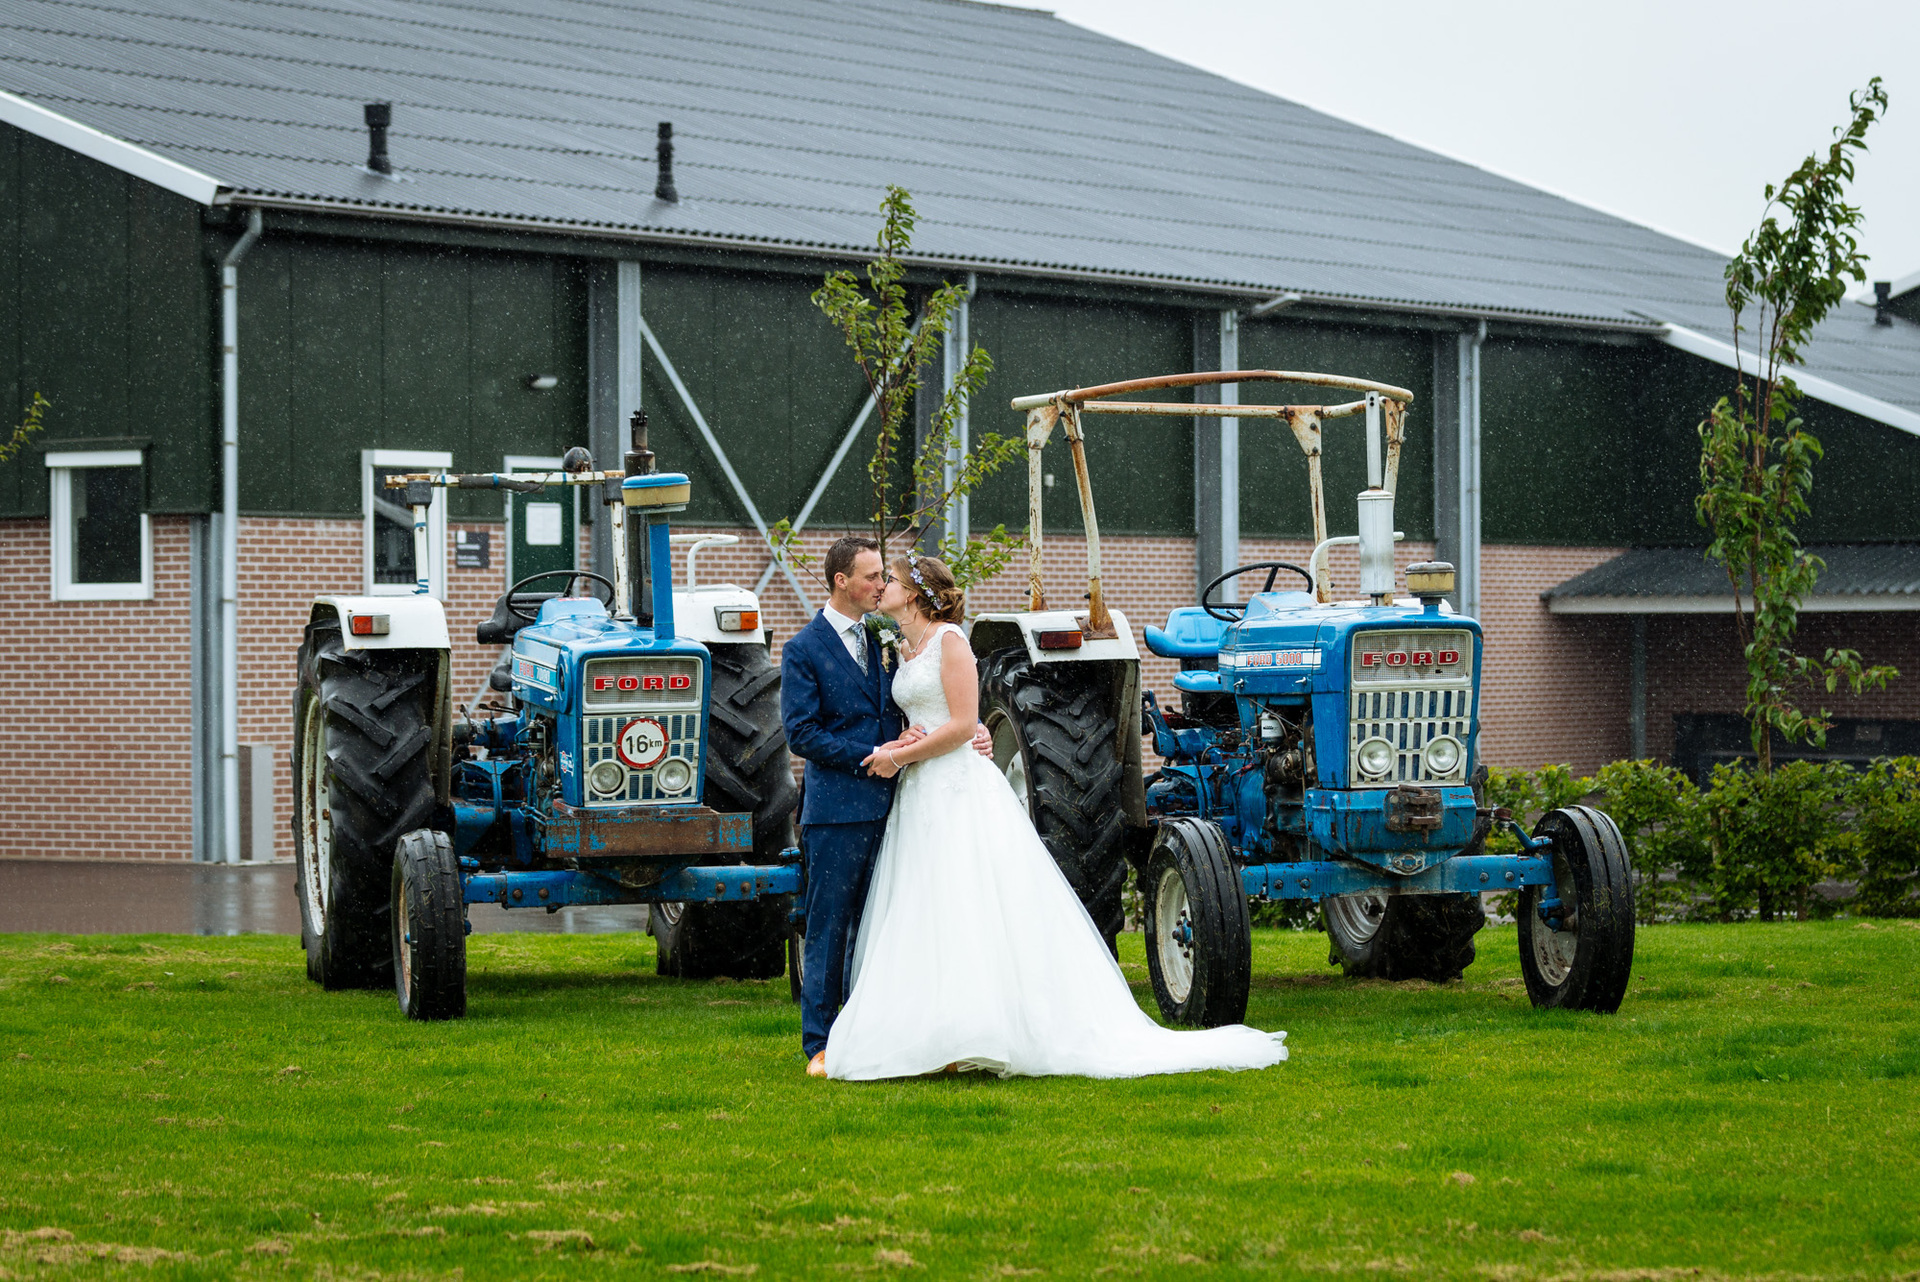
[1382,403]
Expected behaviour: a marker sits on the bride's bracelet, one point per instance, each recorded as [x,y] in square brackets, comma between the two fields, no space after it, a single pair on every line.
[895,760]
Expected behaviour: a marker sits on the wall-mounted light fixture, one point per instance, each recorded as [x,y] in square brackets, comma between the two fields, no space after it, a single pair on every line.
[542,382]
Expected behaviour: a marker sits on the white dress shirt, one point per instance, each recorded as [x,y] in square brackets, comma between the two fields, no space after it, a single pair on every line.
[853,633]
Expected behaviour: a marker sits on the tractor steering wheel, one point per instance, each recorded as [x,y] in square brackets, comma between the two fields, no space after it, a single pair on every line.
[1221,609]
[524,617]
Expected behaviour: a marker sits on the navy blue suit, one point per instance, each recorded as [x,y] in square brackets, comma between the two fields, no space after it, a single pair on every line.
[835,715]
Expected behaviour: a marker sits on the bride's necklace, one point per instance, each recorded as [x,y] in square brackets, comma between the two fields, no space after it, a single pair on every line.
[918,644]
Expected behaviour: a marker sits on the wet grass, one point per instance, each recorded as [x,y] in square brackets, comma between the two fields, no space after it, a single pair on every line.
[181,1107]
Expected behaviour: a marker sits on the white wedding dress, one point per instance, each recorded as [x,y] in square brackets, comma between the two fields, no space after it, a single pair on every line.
[973,949]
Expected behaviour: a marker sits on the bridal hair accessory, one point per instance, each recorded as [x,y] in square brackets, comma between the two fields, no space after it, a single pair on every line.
[913,568]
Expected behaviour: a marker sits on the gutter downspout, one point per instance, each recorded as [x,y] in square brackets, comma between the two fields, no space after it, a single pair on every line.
[230,538]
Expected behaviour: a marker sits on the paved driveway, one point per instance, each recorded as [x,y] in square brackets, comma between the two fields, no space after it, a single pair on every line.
[136,897]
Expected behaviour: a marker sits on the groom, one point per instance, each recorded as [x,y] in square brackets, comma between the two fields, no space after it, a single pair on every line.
[836,700]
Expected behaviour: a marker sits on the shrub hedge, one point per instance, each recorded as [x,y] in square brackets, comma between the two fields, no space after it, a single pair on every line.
[1747,844]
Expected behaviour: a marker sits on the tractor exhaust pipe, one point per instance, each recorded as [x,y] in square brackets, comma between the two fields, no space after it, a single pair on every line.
[652,494]
[1376,513]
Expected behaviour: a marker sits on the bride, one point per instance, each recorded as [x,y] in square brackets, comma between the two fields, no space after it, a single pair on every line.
[973,951]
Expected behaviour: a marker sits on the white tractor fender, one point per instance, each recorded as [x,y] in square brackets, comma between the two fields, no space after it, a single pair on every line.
[412,622]
[992,632]
[697,613]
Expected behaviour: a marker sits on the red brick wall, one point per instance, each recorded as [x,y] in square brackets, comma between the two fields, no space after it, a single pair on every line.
[1694,665]
[1554,689]
[286,562]
[95,708]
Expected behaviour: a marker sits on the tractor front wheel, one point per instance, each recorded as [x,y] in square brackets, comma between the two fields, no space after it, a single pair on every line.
[1585,963]
[363,776]
[1402,936]
[429,928]
[1199,935]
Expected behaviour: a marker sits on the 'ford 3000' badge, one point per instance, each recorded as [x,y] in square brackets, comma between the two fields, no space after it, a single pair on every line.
[643,742]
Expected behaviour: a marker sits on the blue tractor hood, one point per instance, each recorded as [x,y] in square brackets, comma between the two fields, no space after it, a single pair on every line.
[547,654]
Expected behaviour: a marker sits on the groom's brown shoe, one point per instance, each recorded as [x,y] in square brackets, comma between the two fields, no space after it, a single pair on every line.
[817,1066]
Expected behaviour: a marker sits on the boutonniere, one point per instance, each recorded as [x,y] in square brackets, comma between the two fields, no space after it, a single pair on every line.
[887,633]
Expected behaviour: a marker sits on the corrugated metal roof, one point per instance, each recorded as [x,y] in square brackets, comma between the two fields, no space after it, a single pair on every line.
[1853,570]
[1028,143]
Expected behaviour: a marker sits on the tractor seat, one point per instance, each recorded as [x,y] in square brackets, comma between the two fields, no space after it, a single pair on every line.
[500,629]
[1191,633]
[1199,682]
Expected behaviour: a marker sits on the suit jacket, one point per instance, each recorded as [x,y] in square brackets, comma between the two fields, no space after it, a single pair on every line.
[835,715]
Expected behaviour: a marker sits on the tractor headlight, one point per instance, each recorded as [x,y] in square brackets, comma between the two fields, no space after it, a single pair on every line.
[607,776]
[1442,755]
[1376,757]
[673,775]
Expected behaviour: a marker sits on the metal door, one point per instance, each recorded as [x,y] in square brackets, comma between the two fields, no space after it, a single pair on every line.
[543,528]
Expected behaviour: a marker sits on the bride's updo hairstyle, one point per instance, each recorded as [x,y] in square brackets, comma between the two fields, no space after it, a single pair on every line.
[931,583]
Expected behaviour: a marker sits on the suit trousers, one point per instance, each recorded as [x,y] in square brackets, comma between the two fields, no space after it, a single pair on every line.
[840,860]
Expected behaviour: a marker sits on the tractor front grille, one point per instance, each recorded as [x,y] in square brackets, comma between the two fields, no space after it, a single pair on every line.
[1409,718]
[1411,686]
[600,739]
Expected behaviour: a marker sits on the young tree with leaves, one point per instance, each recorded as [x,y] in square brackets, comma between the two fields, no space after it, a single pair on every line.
[30,424]
[912,488]
[1756,456]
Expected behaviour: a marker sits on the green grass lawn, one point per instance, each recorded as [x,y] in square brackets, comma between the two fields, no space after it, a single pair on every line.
[192,1107]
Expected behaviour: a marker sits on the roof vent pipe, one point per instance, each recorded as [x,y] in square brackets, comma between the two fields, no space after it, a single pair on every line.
[1882,295]
[663,188]
[379,116]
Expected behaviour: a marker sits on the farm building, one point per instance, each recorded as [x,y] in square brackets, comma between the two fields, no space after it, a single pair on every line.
[254,255]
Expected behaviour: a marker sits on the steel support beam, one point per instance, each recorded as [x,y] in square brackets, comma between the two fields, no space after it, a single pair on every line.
[613,383]
[957,343]
[1456,461]
[1216,453]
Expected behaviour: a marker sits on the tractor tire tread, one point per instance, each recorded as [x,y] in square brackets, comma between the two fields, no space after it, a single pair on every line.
[748,768]
[1071,736]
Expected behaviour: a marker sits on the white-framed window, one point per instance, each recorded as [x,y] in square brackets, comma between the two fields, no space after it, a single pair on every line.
[102,541]
[386,557]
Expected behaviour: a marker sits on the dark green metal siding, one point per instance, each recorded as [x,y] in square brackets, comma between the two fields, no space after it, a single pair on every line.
[106,308]
[350,346]
[1559,423]
[773,380]
[779,388]
[1142,468]
[1584,444]
[1274,500]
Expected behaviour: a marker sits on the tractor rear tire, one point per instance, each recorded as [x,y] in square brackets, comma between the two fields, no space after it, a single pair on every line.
[1398,937]
[1056,736]
[749,770]
[1587,965]
[429,928]
[363,776]
[1199,933]
[742,940]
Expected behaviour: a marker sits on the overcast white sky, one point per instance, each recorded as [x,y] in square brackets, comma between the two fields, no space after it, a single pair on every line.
[1674,113]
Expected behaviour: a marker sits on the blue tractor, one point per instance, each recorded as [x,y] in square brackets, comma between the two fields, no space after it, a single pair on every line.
[1324,750]
[630,753]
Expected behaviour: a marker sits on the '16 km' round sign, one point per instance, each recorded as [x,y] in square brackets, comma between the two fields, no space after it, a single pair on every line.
[643,743]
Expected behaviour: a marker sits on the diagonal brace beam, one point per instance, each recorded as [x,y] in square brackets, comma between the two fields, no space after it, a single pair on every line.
[719,454]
